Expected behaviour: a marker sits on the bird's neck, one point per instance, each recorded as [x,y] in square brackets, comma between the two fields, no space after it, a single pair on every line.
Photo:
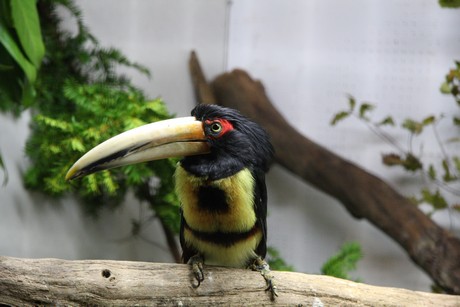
[212,167]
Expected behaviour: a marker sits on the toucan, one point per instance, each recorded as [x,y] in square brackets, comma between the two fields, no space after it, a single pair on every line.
[220,182]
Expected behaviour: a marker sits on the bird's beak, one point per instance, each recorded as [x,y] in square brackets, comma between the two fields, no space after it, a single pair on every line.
[176,137]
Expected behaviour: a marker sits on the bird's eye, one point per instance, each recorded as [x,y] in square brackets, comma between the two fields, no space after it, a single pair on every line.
[216,127]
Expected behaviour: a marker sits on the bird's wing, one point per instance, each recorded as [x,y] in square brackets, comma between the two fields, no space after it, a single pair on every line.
[260,207]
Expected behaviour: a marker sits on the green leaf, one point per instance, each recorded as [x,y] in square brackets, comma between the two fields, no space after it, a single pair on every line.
[447,174]
[413,126]
[91,184]
[387,121]
[77,145]
[445,88]
[339,116]
[156,106]
[5,171]
[5,16]
[4,67]
[436,200]
[432,172]
[364,108]
[28,94]
[27,24]
[132,122]
[392,159]
[449,3]
[412,163]
[109,184]
[344,261]
[54,123]
[15,52]
[11,90]
[457,163]
[456,121]
[428,121]
[352,103]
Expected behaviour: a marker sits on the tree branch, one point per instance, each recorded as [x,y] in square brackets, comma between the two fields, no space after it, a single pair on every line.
[434,249]
[203,92]
[124,283]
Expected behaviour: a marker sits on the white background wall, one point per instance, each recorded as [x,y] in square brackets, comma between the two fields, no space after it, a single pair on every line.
[309,55]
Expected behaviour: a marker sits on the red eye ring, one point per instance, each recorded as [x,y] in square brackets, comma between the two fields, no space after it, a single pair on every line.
[217,127]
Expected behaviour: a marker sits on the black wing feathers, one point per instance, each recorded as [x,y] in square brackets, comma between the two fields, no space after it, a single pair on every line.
[260,206]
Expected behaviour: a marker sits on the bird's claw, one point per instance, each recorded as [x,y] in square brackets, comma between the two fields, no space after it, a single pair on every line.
[263,268]
[271,287]
[197,269]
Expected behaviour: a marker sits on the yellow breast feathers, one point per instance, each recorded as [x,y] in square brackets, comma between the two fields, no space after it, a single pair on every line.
[236,191]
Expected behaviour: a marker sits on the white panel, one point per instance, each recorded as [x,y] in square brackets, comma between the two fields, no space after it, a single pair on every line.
[310,55]
[160,35]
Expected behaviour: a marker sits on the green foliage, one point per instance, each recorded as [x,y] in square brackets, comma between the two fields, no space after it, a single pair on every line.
[444,175]
[344,261]
[5,171]
[21,53]
[74,57]
[416,127]
[58,141]
[276,262]
[449,3]
[387,121]
[413,126]
[364,108]
[451,85]
[436,200]
[80,100]
[339,117]
[344,114]
[25,18]
[363,111]
[409,161]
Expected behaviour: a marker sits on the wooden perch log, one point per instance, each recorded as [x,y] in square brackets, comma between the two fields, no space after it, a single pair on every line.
[434,249]
[123,283]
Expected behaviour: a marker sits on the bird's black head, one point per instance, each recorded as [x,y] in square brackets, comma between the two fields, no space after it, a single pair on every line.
[235,141]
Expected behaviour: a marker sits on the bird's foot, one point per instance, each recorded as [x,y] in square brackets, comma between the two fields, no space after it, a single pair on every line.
[263,268]
[197,268]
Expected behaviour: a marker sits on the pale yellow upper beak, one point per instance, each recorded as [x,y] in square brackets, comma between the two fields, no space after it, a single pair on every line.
[176,137]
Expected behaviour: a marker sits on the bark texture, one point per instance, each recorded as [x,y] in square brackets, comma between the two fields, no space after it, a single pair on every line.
[26,282]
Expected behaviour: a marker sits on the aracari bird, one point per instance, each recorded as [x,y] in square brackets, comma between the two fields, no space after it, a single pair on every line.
[220,182]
